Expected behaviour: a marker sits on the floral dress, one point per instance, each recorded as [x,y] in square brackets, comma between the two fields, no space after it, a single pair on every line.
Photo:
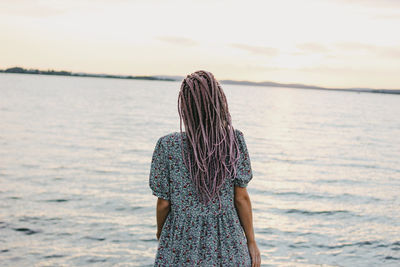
[195,234]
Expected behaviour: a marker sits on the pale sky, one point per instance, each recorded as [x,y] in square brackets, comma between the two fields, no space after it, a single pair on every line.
[332,43]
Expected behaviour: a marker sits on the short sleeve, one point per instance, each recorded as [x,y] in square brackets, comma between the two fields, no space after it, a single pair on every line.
[244,172]
[159,172]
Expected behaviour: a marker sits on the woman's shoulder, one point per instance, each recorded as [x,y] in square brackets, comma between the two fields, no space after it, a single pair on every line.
[237,131]
[175,137]
[171,138]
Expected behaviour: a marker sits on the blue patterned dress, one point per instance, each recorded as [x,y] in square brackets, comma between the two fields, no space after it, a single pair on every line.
[195,234]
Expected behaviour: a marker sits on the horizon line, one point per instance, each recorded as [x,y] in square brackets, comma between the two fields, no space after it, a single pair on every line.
[21,70]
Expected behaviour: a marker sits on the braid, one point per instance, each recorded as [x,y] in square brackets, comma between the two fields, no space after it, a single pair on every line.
[213,148]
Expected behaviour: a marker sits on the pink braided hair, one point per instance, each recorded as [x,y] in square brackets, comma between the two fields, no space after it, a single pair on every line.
[213,148]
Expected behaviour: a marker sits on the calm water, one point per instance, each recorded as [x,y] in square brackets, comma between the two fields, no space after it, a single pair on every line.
[75,157]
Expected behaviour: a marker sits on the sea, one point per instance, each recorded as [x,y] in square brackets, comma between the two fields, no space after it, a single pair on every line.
[75,156]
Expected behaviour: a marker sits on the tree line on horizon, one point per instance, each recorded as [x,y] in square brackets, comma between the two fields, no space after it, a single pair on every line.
[68,73]
[160,78]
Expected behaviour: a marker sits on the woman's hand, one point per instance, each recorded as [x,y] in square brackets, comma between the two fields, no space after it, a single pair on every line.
[158,234]
[254,254]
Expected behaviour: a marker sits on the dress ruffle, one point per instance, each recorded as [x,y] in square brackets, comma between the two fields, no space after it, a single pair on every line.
[198,239]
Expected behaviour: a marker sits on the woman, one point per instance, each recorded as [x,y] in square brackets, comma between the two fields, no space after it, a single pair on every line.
[204,215]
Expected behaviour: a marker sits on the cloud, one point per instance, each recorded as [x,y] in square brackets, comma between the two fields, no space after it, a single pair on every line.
[329,69]
[312,48]
[372,3]
[177,40]
[393,16]
[386,51]
[354,46]
[31,9]
[46,8]
[259,50]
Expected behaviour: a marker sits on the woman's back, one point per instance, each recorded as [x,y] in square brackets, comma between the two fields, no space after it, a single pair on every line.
[195,233]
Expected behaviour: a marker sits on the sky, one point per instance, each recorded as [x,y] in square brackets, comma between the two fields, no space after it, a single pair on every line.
[330,43]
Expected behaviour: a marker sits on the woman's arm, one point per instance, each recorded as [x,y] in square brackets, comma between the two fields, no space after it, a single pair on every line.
[163,208]
[243,207]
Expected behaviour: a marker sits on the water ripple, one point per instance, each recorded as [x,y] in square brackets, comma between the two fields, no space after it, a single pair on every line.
[27,231]
[76,153]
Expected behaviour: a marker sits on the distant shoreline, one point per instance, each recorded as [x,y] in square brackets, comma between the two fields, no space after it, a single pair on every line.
[311,87]
[20,70]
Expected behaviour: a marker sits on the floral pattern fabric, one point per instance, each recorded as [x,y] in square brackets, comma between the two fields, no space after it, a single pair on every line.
[195,234]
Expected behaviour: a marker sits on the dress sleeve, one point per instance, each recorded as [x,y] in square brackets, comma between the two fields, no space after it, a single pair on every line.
[159,172]
[244,172]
